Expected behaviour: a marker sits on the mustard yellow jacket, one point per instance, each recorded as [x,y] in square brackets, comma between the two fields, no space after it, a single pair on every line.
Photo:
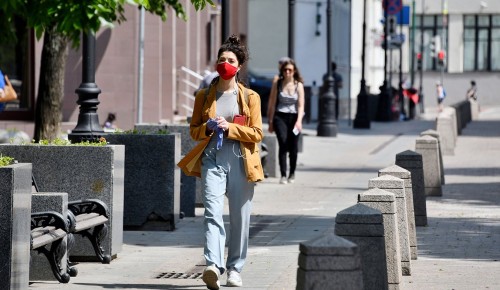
[249,135]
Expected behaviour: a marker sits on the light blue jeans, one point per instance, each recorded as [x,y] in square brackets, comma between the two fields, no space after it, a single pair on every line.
[223,173]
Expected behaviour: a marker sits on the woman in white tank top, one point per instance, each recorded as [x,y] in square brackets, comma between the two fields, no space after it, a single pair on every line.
[285,112]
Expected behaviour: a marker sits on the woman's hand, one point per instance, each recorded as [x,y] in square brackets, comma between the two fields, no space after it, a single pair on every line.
[2,93]
[270,127]
[222,123]
[298,125]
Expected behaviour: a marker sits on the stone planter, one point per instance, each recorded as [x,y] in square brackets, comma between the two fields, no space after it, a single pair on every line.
[152,180]
[190,194]
[83,172]
[15,224]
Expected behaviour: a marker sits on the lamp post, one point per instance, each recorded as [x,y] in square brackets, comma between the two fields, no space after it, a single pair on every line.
[400,86]
[421,89]
[327,125]
[385,96]
[362,120]
[291,28]
[88,127]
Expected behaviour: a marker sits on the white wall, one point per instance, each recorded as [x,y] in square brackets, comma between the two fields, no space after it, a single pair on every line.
[310,50]
[267,34]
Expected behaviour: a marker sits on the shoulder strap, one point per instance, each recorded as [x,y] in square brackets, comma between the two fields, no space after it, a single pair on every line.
[207,90]
[246,95]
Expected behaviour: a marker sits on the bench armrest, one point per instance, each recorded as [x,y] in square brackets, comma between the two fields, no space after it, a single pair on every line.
[49,218]
[88,206]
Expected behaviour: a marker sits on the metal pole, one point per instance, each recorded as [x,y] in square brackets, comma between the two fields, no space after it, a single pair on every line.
[385,96]
[291,28]
[421,89]
[88,127]
[362,120]
[412,43]
[327,125]
[141,66]
[226,13]
[443,36]
[400,86]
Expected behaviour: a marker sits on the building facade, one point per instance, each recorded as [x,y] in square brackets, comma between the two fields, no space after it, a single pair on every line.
[177,52]
[174,51]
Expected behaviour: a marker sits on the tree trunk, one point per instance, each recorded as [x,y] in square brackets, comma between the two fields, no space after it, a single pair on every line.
[48,112]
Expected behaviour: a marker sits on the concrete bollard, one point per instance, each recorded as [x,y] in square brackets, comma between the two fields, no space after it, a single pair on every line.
[404,174]
[446,125]
[386,202]
[396,186]
[435,134]
[329,262]
[364,226]
[272,162]
[412,161]
[474,109]
[427,146]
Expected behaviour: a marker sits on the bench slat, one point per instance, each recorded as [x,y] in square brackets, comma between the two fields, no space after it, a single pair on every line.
[48,237]
[89,223]
[35,233]
[86,216]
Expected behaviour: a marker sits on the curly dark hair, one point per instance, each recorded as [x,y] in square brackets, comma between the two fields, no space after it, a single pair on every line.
[234,45]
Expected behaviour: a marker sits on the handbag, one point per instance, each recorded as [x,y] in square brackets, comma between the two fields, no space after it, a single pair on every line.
[10,93]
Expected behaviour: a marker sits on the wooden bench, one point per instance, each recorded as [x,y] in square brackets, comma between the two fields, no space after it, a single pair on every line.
[48,230]
[89,219]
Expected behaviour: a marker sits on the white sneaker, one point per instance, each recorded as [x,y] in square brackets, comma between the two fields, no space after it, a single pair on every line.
[283,180]
[234,279]
[211,277]
[291,179]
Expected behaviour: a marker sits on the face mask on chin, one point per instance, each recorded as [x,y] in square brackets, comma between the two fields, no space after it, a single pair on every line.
[226,70]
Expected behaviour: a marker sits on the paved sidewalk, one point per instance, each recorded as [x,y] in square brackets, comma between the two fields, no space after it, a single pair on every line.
[458,250]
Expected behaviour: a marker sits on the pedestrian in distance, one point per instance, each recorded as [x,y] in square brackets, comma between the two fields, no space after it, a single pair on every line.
[472,91]
[285,112]
[109,124]
[228,123]
[207,79]
[441,95]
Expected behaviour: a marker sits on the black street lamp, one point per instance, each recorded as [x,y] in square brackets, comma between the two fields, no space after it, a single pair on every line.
[88,127]
[226,19]
[327,125]
[385,96]
[291,28]
[362,120]
[421,89]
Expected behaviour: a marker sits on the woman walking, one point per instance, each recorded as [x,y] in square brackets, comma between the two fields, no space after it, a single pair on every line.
[228,123]
[285,111]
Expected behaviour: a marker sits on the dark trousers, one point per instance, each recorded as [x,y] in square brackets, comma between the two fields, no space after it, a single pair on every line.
[287,141]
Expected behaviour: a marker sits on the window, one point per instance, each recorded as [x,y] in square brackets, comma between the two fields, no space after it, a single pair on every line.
[432,29]
[16,61]
[481,42]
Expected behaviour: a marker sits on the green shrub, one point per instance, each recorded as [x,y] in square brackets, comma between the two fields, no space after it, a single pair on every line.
[63,142]
[6,160]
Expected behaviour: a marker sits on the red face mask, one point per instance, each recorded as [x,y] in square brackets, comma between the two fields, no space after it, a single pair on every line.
[226,71]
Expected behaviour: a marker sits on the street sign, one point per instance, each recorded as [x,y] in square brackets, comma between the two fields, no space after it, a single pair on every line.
[392,7]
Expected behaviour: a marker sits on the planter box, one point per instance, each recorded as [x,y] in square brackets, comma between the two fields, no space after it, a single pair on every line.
[82,172]
[15,226]
[190,186]
[152,180]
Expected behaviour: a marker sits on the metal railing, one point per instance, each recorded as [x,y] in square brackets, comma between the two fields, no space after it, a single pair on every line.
[187,82]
